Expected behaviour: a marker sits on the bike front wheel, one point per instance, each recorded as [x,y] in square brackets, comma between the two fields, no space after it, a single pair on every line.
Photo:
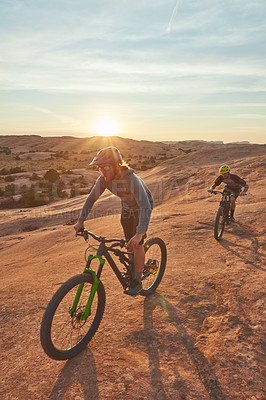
[63,331]
[154,267]
[220,222]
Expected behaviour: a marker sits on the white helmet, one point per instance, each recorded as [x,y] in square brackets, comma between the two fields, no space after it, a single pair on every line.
[108,155]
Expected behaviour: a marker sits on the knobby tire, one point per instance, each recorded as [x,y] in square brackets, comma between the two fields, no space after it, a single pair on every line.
[220,223]
[155,263]
[68,328]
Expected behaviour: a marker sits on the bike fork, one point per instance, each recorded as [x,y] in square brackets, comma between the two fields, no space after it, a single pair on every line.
[94,288]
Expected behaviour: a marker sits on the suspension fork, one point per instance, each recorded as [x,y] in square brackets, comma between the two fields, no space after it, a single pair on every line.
[94,287]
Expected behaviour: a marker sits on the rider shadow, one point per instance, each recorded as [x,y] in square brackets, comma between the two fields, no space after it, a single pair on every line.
[236,249]
[73,373]
[204,371]
[239,250]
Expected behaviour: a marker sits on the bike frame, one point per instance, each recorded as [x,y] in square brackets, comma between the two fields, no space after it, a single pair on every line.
[223,213]
[103,251]
[225,201]
[226,198]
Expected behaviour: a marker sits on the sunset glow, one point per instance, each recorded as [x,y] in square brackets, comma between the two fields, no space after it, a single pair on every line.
[105,126]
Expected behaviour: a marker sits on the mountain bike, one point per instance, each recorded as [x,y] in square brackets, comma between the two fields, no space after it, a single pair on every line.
[222,213]
[75,312]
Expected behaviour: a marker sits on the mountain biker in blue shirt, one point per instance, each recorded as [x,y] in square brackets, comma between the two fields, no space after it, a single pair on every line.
[233,184]
[136,200]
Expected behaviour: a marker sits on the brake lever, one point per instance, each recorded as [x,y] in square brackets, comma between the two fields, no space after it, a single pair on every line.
[83,234]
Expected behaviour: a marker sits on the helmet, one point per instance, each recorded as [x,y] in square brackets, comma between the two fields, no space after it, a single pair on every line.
[224,169]
[108,155]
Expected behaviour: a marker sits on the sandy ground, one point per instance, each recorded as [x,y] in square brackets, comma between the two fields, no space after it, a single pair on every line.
[200,336]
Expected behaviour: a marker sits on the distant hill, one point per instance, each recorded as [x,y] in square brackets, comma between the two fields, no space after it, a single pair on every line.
[35,143]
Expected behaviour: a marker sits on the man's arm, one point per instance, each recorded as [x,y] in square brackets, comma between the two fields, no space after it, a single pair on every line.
[139,192]
[245,186]
[241,182]
[217,182]
[95,193]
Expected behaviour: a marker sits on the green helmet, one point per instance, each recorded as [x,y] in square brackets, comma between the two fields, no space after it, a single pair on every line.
[224,169]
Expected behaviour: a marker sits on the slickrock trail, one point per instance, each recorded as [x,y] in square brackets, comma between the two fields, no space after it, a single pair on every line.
[200,336]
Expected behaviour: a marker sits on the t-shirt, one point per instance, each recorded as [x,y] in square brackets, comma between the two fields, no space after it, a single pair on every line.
[133,192]
[233,182]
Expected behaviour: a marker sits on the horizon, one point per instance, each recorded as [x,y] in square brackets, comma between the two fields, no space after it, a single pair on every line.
[159,71]
[109,138]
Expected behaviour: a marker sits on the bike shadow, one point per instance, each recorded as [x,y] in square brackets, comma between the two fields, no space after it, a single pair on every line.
[73,373]
[240,250]
[204,371]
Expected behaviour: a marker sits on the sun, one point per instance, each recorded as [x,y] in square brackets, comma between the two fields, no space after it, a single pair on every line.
[105,126]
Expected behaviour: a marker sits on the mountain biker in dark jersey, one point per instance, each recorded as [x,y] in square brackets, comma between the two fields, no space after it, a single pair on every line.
[233,184]
[137,204]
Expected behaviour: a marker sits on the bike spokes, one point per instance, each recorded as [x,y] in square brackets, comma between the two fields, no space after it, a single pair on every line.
[155,261]
[220,221]
[68,328]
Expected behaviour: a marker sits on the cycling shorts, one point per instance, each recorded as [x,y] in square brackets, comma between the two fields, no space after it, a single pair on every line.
[234,193]
[130,221]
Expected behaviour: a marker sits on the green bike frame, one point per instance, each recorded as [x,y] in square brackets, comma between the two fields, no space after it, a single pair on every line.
[94,287]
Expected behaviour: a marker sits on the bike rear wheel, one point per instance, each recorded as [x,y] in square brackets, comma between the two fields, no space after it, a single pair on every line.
[220,222]
[154,267]
[63,333]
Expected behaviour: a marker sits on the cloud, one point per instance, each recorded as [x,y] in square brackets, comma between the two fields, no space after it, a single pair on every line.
[123,53]
[65,119]
[174,13]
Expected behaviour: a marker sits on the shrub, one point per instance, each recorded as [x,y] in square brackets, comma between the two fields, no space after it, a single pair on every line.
[52,175]
[4,171]
[34,177]
[9,178]
[16,170]
[8,203]
[72,193]
[32,198]
[10,189]
[5,150]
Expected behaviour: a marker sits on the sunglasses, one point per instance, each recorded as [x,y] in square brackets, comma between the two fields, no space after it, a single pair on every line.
[106,168]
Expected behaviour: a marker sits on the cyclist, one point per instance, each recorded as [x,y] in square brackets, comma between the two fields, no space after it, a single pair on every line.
[233,184]
[137,204]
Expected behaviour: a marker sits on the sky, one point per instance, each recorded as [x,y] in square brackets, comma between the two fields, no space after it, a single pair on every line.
[154,70]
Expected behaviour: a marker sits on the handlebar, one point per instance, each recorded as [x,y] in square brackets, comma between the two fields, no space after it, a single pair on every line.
[85,234]
[219,191]
[215,191]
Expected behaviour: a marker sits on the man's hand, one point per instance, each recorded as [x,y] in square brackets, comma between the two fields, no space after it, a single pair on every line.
[243,194]
[134,241]
[79,225]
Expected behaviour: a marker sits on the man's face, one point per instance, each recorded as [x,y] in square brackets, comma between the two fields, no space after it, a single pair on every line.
[108,171]
[225,176]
